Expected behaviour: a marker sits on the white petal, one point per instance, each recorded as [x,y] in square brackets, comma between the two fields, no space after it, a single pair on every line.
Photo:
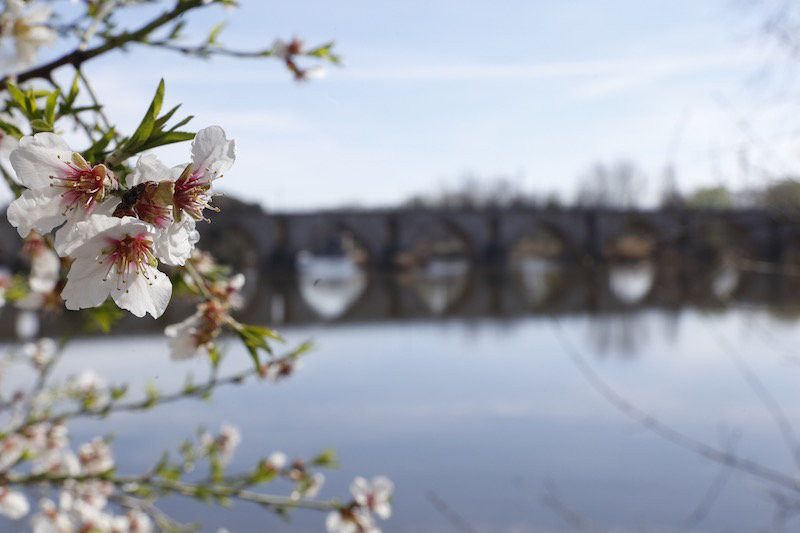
[181,337]
[141,295]
[14,505]
[41,35]
[212,151]
[360,488]
[68,236]
[383,510]
[175,244]
[148,168]
[70,239]
[38,14]
[40,209]
[39,157]
[85,286]
[45,271]
[382,486]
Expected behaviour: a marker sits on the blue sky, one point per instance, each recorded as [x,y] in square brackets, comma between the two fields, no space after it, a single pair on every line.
[432,90]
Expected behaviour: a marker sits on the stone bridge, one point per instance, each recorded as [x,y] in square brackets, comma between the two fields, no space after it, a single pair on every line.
[249,236]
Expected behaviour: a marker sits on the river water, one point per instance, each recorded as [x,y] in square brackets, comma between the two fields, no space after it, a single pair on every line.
[529,421]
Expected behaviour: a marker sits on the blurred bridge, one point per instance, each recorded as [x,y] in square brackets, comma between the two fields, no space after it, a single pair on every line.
[248,237]
[391,237]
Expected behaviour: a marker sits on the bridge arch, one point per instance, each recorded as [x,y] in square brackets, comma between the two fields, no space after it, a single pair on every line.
[631,238]
[427,235]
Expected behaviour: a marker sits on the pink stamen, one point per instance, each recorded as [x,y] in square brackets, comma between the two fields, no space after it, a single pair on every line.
[83,186]
[131,255]
[191,193]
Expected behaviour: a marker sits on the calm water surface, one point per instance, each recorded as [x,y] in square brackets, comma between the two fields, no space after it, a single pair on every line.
[491,424]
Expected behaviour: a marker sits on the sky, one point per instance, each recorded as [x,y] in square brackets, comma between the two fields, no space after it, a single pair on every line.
[433,90]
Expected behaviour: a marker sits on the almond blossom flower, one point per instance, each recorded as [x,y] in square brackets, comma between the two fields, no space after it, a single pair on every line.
[196,334]
[45,264]
[350,520]
[115,257]
[279,369]
[11,449]
[276,460]
[89,387]
[95,457]
[173,199]
[57,463]
[309,486]
[40,352]
[138,522]
[13,504]
[61,187]
[28,29]
[375,496]
[212,154]
[224,444]
[50,519]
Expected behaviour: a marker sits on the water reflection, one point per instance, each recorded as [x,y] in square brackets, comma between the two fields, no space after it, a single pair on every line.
[440,282]
[499,414]
[540,278]
[328,284]
[631,282]
[725,280]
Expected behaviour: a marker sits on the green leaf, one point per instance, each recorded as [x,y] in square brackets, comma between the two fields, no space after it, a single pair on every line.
[102,318]
[10,129]
[41,125]
[325,52]
[96,152]
[73,91]
[327,459]
[17,95]
[214,34]
[50,107]
[145,128]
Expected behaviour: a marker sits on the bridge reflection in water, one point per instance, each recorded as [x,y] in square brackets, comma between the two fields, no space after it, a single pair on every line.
[337,290]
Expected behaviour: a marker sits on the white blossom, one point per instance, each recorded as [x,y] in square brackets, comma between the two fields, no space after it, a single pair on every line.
[375,496]
[11,449]
[58,463]
[95,457]
[350,521]
[90,387]
[28,28]
[50,519]
[224,444]
[45,270]
[40,352]
[183,337]
[212,154]
[155,188]
[14,505]
[310,487]
[26,324]
[61,187]
[277,460]
[114,257]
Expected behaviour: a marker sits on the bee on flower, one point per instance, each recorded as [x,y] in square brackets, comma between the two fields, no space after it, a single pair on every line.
[174,199]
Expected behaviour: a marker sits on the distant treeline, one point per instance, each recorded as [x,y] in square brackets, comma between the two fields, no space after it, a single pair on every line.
[617,185]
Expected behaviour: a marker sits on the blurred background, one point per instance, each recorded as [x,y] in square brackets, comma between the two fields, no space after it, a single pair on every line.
[523,235]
